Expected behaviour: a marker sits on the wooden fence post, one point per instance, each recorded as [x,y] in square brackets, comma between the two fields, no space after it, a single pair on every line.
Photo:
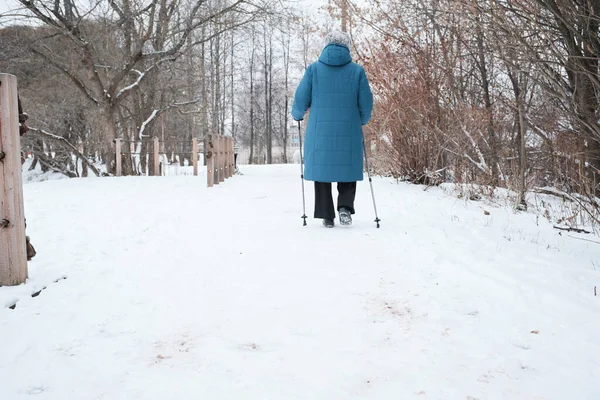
[195,155]
[156,157]
[222,151]
[231,160]
[210,160]
[225,159]
[217,155]
[13,250]
[119,170]
[229,169]
[225,169]
[225,156]
[220,158]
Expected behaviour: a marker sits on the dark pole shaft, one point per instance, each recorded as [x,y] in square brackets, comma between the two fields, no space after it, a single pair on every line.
[370,182]
[302,176]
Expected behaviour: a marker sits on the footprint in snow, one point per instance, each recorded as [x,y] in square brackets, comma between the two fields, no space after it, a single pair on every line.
[249,347]
[11,303]
[36,390]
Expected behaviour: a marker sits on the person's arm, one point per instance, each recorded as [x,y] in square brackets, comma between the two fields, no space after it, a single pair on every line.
[303,96]
[365,98]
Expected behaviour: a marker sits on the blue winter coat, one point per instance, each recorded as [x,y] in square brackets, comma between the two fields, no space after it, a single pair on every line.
[340,100]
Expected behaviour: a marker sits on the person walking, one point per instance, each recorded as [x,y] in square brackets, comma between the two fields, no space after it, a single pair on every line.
[336,93]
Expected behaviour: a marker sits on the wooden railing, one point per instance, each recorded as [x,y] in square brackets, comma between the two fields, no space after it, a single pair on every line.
[218,151]
[219,159]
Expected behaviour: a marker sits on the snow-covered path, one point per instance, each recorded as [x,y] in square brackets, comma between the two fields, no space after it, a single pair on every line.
[177,291]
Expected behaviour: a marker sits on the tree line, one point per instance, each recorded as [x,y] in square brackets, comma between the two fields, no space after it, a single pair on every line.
[176,70]
[502,93]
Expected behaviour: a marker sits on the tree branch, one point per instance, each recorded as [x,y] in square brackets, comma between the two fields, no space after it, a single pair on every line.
[68,144]
[78,83]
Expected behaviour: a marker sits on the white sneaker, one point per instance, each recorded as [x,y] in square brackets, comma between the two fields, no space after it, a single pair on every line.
[345,217]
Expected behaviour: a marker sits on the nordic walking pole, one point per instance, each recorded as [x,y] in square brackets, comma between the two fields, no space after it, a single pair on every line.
[302,176]
[370,182]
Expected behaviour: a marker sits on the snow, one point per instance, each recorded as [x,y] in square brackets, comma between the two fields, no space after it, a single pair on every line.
[128,88]
[177,291]
[482,165]
[36,175]
[146,122]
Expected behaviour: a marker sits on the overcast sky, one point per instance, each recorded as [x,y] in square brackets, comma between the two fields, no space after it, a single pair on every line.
[6,5]
[11,5]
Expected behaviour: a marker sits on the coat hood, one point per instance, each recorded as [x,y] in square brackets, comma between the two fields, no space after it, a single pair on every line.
[335,55]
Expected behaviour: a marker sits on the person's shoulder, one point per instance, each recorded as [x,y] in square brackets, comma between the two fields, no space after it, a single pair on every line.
[360,70]
[357,66]
[311,68]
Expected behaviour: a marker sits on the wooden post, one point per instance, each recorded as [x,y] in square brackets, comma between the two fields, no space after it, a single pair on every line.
[118,157]
[223,160]
[220,158]
[195,155]
[231,166]
[210,159]
[225,157]
[217,156]
[229,157]
[13,250]
[156,155]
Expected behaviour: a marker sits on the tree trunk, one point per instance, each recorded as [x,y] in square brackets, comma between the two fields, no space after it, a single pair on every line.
[216,63]
[186,146]
[223,97]
[485,82]
[204,94]
[232,87]
[270,111]
[286,65]
[127,166]
[267,135]
[111,135]
[251,161]
[344,7]
[521,136]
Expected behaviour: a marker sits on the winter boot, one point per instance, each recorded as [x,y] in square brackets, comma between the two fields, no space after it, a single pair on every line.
[345,216]
[327,223]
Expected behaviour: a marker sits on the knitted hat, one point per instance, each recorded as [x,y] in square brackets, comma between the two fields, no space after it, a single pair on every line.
[338,37]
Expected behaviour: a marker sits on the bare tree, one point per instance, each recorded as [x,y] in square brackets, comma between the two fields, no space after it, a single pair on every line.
[154,33]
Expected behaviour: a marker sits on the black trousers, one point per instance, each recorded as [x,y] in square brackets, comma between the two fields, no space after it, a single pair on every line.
[324,208]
